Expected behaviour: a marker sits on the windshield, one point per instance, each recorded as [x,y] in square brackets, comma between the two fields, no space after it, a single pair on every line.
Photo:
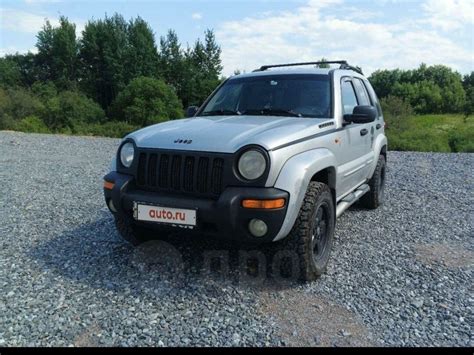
[299,95]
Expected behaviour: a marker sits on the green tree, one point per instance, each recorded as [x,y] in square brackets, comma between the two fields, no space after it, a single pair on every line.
[384,80]
[193,72]
[323,65]
[429,89]
[146,101]
[9,73]
[57,53]
[27,66]
[212,63]
[103,57]
[202,71]
[468,85]
[142,55]
[172,62]
[44,90]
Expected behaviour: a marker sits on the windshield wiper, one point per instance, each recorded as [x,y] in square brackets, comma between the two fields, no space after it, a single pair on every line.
[272,112]
[220,112]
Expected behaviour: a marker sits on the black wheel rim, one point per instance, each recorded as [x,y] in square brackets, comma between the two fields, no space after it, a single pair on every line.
[382,184]
[319,233]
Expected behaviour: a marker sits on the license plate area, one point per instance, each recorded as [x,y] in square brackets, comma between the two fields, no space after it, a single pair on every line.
[164,215]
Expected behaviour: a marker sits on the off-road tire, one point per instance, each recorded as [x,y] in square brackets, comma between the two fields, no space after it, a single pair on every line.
[300,239]
[131,233]
[374,198]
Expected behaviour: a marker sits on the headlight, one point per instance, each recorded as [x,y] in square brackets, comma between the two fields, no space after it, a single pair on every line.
[252,164]
[127,153]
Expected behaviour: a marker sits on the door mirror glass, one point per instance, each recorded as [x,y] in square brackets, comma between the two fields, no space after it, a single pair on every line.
[362,114]
[191,111]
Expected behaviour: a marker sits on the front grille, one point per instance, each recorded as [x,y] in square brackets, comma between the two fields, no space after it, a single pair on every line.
[181,172]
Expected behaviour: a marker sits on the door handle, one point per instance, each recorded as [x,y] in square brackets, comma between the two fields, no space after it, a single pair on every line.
[364,131]
[378,126]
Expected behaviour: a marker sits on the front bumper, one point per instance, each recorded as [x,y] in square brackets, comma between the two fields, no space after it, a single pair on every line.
[224,217]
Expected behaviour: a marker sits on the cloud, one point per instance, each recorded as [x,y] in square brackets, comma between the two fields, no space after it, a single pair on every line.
[449,15]
[313,31]
[196,16]
[22,21]
[29,22]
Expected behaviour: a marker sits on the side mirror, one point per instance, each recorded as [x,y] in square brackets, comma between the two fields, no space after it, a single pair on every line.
[191,111]
[362,114]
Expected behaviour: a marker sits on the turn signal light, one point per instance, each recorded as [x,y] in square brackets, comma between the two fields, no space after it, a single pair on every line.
[108,185]
[264,204]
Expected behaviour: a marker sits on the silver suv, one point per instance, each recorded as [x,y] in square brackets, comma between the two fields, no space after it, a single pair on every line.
[275,155]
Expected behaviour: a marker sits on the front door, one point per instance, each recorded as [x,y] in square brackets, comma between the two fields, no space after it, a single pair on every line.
[357,141]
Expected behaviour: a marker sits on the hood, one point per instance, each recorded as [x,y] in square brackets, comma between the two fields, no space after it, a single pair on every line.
[226,134]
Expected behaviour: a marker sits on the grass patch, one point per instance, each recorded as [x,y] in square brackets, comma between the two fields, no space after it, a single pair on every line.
[432,133]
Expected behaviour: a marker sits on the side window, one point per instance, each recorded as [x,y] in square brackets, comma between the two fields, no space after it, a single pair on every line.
[349,99]
[374,97]
[362,93]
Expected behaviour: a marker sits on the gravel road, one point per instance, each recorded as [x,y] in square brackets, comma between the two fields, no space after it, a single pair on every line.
[400,275]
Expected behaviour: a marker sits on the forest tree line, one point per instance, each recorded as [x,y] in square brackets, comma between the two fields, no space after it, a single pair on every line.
[115,78]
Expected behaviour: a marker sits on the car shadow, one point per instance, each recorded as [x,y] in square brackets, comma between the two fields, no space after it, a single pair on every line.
[94,254]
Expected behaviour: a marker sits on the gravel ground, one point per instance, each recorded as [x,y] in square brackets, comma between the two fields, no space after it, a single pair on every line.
[400,275]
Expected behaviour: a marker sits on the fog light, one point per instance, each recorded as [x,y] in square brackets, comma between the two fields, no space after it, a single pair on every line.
[112,206]
[258,227]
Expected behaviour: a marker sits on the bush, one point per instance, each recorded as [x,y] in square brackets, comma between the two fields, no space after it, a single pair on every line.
[396,112]
[20,103]
[16,104]
[461,141]
[70,109]
[32,124]
[146,101]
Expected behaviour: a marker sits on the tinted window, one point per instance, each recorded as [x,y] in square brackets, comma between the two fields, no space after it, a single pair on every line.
[307,95]
[362,93]
[349,99]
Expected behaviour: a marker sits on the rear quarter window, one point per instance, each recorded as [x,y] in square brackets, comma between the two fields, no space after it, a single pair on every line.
[373,96]
[362,93]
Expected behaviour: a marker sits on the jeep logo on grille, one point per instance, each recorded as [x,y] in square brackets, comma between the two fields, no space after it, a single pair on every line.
[184,141]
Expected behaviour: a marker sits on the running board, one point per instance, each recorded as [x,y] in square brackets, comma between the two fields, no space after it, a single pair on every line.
[349,200]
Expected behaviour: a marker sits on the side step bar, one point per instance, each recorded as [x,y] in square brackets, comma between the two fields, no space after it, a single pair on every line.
[349,200]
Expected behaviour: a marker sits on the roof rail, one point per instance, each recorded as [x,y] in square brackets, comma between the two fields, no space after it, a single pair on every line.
[342,65]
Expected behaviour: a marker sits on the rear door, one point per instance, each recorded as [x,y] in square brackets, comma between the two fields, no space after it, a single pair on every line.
[367,130]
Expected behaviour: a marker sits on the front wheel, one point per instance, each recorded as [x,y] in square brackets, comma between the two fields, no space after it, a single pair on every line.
[312,235]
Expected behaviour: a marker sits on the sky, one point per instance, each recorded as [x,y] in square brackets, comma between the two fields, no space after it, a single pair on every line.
[373,34]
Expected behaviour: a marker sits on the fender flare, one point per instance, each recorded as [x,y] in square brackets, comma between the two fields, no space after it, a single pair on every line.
[379,143]
[294,178]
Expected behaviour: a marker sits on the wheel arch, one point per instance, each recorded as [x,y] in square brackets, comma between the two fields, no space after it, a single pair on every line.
[379,148]
[383,151]
[297,172]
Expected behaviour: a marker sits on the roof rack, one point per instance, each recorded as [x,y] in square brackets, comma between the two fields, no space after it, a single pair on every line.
[342,65]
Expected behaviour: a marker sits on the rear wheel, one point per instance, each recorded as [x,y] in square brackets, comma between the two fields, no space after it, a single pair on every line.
[375,197]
